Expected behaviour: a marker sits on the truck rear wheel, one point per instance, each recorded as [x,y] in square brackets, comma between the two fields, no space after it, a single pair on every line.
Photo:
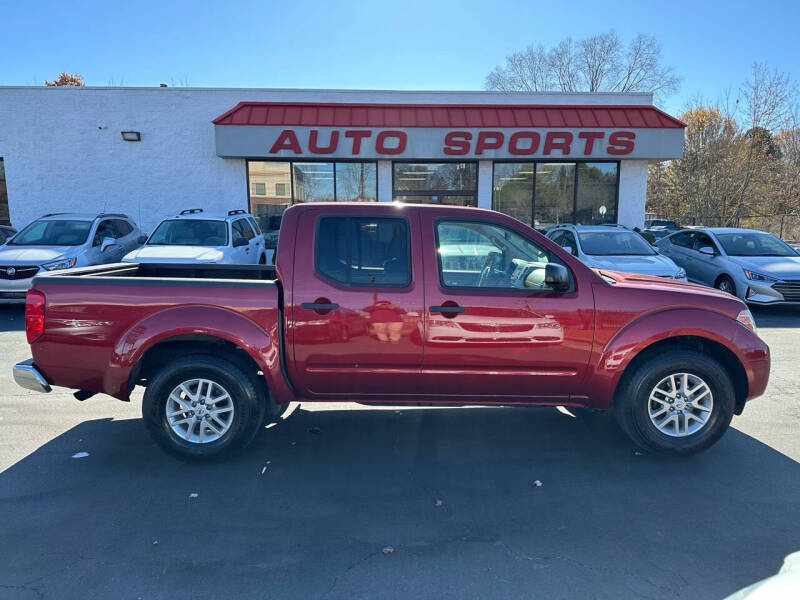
[202,407]
[679,402]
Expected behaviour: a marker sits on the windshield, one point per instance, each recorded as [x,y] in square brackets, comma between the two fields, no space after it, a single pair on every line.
[754,244]
[53,233]
[194,232]
[614,243]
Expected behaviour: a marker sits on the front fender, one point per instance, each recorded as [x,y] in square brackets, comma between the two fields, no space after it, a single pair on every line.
[651,328]
[259,341]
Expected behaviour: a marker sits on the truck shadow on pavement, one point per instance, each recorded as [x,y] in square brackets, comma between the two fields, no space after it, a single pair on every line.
[12,317]
[486,502]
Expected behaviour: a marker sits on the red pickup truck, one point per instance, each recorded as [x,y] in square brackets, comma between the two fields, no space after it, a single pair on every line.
[393,304]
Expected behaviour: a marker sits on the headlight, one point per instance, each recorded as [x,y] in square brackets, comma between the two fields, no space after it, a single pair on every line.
[745,317]
[65,263]
[753,276]
[681,274]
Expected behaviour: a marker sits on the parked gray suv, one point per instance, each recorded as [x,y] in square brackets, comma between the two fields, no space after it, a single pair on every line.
[756,266]
[62,241]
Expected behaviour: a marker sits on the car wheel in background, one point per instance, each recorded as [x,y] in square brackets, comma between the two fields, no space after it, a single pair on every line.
[262,260]
[679,402]
[725,284]
[202,407]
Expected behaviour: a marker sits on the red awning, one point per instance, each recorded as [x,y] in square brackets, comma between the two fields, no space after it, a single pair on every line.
[445,115]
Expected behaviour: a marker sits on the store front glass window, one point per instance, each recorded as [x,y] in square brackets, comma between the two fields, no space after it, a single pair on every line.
[597,193]
[436,183]
[274,186]
[356,182]
[313,182]
[513,190]
[270,195]
[555,194]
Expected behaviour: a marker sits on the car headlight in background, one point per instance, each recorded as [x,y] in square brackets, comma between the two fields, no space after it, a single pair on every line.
[745,317]
[753,276]
[681,274]
[64,263]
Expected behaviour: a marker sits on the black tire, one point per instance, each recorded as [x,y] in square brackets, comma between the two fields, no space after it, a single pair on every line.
[248,406]
[725,284]
[262,260]
[632,400]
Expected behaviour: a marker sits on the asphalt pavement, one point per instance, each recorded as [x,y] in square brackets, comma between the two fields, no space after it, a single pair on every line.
[341,501]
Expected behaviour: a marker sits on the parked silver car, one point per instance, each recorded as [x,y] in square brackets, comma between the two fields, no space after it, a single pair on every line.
[756,266]
[63,241]
[614,247]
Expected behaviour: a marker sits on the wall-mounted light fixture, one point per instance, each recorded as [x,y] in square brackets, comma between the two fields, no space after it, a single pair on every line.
[132,136]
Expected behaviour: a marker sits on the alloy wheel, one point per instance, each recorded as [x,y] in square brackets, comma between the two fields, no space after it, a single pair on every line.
[199,411]
[680,404]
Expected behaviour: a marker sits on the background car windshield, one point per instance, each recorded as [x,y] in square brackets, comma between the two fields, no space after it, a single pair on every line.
[614,243]
[754,244]
[53,233]
[195,232]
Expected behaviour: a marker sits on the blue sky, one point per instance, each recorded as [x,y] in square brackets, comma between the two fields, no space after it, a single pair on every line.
[388,45]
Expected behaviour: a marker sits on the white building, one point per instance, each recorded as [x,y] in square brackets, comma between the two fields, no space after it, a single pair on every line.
[150,152]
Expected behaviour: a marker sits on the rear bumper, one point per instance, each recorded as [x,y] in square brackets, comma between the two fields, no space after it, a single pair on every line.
[28,376]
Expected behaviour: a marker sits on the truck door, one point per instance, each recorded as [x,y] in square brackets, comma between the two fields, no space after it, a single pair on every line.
[494,329]
[357,303]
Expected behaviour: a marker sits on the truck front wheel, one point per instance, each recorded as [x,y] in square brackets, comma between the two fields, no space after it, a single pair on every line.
[678,402]
[201,407]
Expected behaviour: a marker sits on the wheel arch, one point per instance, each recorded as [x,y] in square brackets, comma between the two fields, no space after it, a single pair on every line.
[725,356]
[194,329]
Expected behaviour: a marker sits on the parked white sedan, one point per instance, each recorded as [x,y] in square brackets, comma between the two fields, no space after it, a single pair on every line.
[194,236]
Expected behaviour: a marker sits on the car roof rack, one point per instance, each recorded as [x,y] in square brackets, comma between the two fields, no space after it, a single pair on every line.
[53,214]
[237,211]
[191,211]
[103,215]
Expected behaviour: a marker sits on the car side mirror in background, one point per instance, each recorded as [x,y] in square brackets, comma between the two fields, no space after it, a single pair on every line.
[556,277]
[568,249]
[239,242]
[707,250]
[141,239]
[107,243]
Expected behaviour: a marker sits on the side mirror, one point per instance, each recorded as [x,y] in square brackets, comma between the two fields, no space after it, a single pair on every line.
[707,250]
[240,241]
[556,277]
[568,249]
[141,239]
[107,243]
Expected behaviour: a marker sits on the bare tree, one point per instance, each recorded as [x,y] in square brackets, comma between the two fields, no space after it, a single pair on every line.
[598,63]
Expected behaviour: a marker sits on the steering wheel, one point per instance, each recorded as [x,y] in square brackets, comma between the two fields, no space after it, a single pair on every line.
[486,270]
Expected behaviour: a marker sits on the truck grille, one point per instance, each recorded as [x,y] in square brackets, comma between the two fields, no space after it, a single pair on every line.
[18,272]
[790,289]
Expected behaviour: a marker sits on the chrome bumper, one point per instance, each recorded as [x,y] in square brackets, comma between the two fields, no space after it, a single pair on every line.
[29,377]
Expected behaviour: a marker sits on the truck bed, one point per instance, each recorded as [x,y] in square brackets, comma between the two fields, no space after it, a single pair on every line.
[98,318]
[166,271]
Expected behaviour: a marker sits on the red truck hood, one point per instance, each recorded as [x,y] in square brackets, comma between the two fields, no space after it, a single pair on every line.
[635,280]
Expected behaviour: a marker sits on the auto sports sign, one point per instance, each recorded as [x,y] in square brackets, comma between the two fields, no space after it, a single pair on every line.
[244,132]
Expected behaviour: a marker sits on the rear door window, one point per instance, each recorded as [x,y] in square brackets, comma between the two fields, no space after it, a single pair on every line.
[241,228]
[363,251]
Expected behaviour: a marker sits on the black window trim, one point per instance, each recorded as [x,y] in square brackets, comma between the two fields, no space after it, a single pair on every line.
[535,164]
[495,290]
[397,286]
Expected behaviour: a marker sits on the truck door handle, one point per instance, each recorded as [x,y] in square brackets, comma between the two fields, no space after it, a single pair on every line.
[448,309]
[319,306]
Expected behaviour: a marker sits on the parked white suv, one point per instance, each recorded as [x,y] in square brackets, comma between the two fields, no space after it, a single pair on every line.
[62,241]
[194,236]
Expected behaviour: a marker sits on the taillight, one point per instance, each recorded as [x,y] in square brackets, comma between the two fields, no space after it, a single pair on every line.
[34,315]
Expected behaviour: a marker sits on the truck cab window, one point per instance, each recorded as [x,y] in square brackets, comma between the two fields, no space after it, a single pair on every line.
[363,251]
[484,255]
